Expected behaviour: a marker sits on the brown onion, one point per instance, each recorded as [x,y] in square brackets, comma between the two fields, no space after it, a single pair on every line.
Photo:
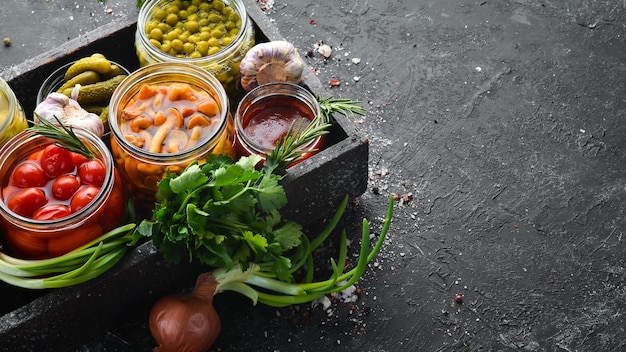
[186,322]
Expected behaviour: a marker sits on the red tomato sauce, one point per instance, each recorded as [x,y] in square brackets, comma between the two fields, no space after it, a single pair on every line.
[269,120]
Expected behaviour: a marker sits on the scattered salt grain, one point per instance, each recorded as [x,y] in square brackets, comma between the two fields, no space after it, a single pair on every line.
[356,60]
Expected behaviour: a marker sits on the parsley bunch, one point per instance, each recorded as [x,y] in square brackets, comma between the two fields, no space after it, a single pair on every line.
[223,213]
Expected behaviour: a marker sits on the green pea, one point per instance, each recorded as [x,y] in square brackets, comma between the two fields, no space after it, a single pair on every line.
[214,42]
[183,14]
[226,40]
[230,25]
[159,15]
[188,48]
[155,43]
[177,44]
[217,33]
[204,22]
[171,19]
[156,34]
[195,55]
[202,47]
[205,36]
[213,50]
[192,26]
[172,9]
[218,5]
[193,17]
[213,17]
[192,8]
[204,7]
[165,47]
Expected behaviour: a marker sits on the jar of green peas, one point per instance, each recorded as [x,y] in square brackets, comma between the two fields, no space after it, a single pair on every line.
[212,34]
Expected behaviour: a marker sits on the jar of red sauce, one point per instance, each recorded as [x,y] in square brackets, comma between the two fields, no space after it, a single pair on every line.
[54,200]
[266,113]
[163,117]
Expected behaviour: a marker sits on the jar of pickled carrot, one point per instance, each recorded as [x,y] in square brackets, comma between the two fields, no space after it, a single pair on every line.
[212,34]
[266,113]
[54,200]
[163,117]
[12,116]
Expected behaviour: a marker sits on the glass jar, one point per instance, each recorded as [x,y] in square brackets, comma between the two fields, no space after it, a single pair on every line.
[56,79]
[63,223]
[265,114]
[12,116]
[212,34]
[151,134]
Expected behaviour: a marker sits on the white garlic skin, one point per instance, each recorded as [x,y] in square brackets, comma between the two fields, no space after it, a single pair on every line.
[69,112]
[274,61]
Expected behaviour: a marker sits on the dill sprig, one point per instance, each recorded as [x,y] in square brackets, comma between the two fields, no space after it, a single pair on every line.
[345,107]
[63,135]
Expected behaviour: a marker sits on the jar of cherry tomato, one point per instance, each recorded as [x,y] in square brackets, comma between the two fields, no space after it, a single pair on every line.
[163,117]
[54,200]
[12,117]
[266,113]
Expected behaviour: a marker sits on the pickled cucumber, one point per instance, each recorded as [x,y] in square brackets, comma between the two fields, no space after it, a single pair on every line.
[96,92]
[83,78]
[91,63]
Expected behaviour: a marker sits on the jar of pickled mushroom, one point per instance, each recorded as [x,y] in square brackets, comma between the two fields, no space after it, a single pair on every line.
[12,116]
[267,112]
[54,200]
[163,117]
[212,34]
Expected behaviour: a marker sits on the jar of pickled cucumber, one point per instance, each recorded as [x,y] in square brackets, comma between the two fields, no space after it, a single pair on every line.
[12,117]
[212,34]
[163,117]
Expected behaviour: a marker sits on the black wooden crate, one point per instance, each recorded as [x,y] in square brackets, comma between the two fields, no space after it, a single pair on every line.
[50,320]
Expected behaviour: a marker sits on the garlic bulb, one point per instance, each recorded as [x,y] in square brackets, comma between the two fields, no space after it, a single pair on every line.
[274,61]
[69,112]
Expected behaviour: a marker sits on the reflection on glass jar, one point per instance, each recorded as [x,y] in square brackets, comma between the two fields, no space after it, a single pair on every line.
[163,117]
[266,113]
[12,117]
[212,34]
[54,200]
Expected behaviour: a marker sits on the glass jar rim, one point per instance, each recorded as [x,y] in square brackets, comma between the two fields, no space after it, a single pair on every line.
[27,136]
[188,73]
[144,16]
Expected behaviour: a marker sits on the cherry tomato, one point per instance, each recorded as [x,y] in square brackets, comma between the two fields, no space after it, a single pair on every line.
[56,161]
[64,187]
[78,158]
[26,201]
[92,172]
[83,197]
[28,174]
[36,156]
[51,212]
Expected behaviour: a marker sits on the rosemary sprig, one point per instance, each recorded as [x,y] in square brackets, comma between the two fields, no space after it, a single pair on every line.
[345,107]
[286,150]
[64,136]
